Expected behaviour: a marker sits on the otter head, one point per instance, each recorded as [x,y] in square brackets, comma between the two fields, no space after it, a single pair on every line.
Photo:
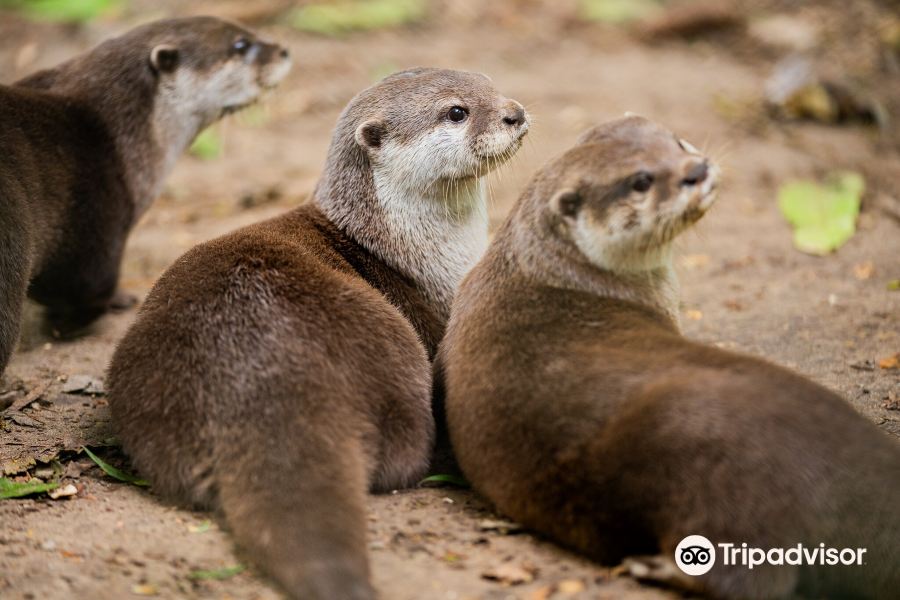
[205,68]
[430,129]
[404,172]
[625,191]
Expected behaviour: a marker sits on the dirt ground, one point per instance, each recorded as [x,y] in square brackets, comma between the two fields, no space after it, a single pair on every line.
[744,286]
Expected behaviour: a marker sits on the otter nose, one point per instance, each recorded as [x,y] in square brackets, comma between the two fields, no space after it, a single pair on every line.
[696,174]
[514,115]
[284,53]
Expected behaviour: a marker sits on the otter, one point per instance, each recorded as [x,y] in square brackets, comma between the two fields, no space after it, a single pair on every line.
[280,371]
[87,145]
[575,405]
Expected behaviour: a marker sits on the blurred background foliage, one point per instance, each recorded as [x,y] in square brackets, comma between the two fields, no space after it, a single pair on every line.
[827,62]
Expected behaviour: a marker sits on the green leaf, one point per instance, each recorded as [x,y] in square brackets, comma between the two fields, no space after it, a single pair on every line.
[451,479]
[15,489]
[356,15]
[218,574]
[893,285]
[617,11]
[207,145]
[823,216]
[114,472]
[69,11]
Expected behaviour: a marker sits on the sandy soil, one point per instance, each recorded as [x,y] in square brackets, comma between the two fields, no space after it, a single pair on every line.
[744,287]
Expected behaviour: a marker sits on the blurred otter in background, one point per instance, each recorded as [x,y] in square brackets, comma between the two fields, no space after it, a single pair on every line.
[87,145]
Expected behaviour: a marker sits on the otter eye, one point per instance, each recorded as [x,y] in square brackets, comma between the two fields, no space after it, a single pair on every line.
[457,114]
[240,46]
[642,182]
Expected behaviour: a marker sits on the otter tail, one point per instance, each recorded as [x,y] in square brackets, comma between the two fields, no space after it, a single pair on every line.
[300,516]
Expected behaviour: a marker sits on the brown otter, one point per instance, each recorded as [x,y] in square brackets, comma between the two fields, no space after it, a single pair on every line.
[575,405]
[278,372]
[87,145]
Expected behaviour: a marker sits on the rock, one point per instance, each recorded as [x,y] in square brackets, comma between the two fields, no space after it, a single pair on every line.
[510,574]
[83,384]
[504,527]
[63,492]
[795,90]
[785,31]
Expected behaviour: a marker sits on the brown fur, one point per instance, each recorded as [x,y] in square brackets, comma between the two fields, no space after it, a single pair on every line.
[576,406]
[278,372]
[86,146]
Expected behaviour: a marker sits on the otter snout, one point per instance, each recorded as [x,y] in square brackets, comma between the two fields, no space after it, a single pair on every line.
[275,62]
[513,115]
[696,173]
[699,179]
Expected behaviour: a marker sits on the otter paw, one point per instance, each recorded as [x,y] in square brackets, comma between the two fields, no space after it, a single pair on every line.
[658,570]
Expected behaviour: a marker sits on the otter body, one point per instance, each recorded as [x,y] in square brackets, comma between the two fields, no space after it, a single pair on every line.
[279,372]
[61,179]
[280,405]
[87,145]
[576,406]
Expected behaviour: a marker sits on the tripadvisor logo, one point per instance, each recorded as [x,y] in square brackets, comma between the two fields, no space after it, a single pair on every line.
[696,555]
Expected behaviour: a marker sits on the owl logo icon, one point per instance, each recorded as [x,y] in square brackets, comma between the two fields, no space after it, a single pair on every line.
[695,555]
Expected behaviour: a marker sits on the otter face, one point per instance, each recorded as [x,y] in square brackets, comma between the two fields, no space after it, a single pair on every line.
[428,126]
[628,189]
[207,68]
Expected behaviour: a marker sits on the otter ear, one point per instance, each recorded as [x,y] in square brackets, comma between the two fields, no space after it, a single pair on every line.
[369,134]
[164,58]
[567,203]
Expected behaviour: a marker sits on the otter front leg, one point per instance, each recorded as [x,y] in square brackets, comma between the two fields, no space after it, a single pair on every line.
[14,267]
[79,291]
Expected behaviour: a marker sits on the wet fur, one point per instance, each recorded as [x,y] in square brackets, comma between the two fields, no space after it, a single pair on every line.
[576,406]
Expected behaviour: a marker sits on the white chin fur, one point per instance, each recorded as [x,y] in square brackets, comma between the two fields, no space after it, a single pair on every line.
[434,206]
[442,153]
[275,73]
[499,143]
[620,251]
[432,194]
[445,153]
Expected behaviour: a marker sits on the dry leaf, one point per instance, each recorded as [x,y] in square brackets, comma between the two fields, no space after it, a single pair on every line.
[509,574]
[542,593]
[693,315]
[570,587]
[891,362]
[735,305]
[144,590]
[63,492]
[864,270]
